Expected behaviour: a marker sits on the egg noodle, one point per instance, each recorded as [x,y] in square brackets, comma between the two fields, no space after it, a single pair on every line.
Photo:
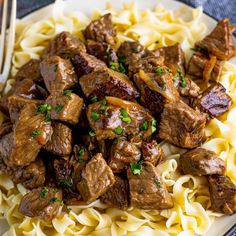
[191,214]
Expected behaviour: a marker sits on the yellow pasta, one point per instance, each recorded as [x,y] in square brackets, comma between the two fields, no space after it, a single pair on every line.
[191,214]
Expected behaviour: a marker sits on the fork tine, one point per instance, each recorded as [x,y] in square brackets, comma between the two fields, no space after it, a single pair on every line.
[3,32]
[10,45]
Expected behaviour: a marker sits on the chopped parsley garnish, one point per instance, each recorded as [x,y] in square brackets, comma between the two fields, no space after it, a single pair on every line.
[134,50]
[65,183]
[144,126]
[121,60]
[159,70]
[92,133]
[44,192]
[114,65]
[55,199]
[157,183]
[94,99]
[44,108]
[68,93]
[202,48]
[104,104]
[58,108]
[136,167]
[36,133]
[154,125]
[118,130]
[81,152]
[55,68]
[94,116]
[122,68]
[179,75]
[125,116]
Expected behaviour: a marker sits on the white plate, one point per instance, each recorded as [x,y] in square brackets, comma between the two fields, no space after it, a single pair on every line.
[221,225]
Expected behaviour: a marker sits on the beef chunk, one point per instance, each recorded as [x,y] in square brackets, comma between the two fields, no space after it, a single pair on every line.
[102,51]
[117,195]
[5,127]
[220,41]
[156,89]
[6,145]
[67,172]
[43,203]
[107,82]
[101,30]
[173,57]
[214,101]
[200,162]
[147,190]
[17,103]
[66,107]
[60,143]
[113,117]
[27,88]
[223,194]
[201,67]
[31,176]
[29,71]
[64,45]
[31,132]
[132,51]
[182,126]
[152,152]
[122,154]
[58,74]
[85,63]
[97,178]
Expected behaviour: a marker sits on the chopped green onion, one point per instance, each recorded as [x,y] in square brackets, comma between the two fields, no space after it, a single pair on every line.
[94,99]
[65,183]
[81,152]
[58,108]
[144,126]
[154,125]
[92,133]
[118,130]
[44,108]
[44,192]
[104,104]
[159,70]
[125,116]
[136,167]
[95,116]
[36,133]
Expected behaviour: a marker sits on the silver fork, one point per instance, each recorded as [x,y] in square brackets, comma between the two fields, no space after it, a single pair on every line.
[7,42]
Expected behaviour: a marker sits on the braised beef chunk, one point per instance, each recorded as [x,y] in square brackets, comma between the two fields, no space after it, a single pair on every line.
[214,101]
[102,51]
[156,89]
[220,41]
[97,178]
[147,190]
[31,132]
[5,127]
[152,152]
[117,195]
[58,74]
[60,143]
[132,51]
[101,30]
[64,45]
[66,106]
[113,117]
[31,176]
[85,63]
[27,88]
[107,82]
[29,71]
[223,194]
[6,145]
[173,57]
[201,161]
[122,154]
[182,126]
[43,203]
[17,103]
[201,67]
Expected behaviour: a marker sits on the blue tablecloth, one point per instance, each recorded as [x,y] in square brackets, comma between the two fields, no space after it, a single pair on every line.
[217,9]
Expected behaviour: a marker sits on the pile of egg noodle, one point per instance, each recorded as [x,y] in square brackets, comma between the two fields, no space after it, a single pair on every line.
[191,214]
